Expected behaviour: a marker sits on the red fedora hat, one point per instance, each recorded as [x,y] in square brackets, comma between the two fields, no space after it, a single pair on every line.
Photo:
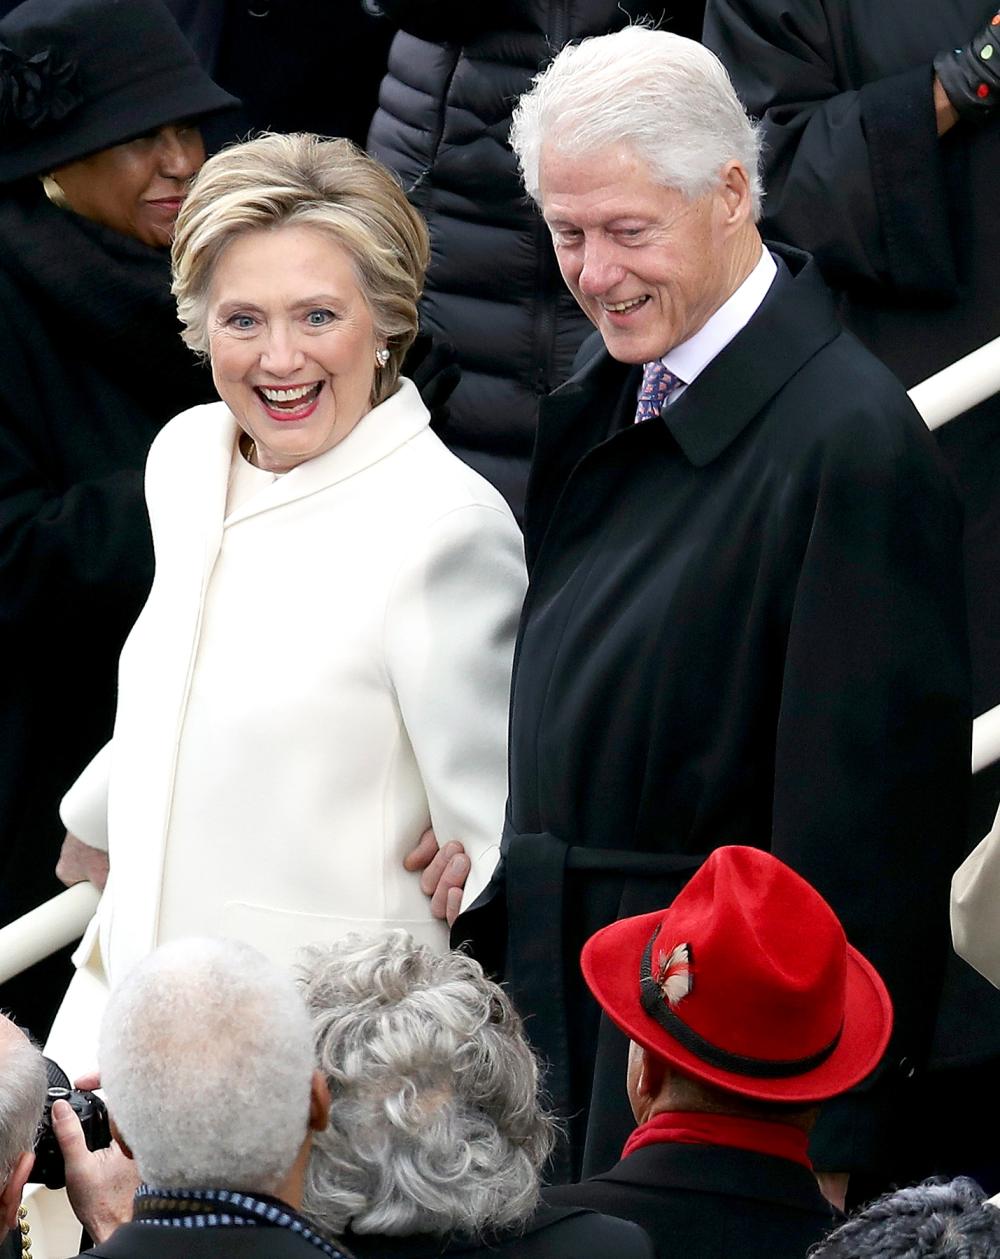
[746,982]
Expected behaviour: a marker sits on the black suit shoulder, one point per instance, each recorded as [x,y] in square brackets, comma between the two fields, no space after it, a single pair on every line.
[554,1232]
[144,1241]
[708,1201]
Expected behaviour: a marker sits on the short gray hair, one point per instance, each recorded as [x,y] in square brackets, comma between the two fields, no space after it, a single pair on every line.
[206,1058]
[303,180]
[933,1220]
[665,97]
[22,1096]
[435,1123]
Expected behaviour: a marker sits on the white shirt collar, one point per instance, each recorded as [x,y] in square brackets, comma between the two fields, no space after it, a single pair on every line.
[692,356]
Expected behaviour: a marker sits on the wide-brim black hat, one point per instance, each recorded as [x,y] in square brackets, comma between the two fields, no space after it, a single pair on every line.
[78,76]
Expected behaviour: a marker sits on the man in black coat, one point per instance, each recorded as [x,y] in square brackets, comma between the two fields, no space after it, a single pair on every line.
[747,964]
[745,618]
[870,166]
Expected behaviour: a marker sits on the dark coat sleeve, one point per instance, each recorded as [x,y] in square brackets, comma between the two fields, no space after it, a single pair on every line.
[453,21]
[872,753]
[67,551]
[853,172]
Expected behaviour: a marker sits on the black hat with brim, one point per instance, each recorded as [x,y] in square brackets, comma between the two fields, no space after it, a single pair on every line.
[79,76]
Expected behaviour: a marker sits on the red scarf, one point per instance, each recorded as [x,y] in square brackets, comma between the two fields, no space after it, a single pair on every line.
[763,1136]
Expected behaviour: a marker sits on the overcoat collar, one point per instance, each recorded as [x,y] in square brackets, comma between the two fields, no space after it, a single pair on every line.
[721,1170]
[383,430]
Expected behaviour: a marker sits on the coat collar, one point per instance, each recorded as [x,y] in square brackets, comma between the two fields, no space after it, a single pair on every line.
[383,430]
[721,1170]
[798,317]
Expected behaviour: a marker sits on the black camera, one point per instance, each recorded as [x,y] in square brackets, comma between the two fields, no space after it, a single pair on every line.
[90,1110]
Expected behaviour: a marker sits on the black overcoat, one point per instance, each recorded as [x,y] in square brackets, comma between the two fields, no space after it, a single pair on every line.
[904,225]
[745,624]
[91,366]
[710,1202]
[554,1232]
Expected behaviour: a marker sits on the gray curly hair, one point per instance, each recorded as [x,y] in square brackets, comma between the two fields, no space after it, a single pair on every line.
[933,1220]
[22,1098]
[435,1122]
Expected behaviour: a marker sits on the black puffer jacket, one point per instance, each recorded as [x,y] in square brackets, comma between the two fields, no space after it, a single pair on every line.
[456,70]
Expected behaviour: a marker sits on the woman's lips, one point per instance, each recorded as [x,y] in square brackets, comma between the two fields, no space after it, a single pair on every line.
[297,409]
[167,205]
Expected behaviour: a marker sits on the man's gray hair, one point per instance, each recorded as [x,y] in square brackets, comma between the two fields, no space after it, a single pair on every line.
[22,1096]
[930,1221]
[666,98]
[435,1123]
[206,1058]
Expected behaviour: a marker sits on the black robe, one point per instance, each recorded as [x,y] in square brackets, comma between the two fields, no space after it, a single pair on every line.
[745,623]
[91,366]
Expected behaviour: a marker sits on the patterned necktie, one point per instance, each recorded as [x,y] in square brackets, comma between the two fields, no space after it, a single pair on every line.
[658,383]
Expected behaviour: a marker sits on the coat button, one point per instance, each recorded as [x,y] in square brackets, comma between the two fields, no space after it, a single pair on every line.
[907,1069]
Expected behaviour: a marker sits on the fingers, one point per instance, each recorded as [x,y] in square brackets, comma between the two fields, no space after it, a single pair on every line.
[90,1080]
[431,878]
[454,905]
[452,878]
[424,853]
[69,1133]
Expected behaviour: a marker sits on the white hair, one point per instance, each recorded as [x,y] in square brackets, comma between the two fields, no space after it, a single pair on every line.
[206,1058]
[22,1096]
[435,1123]
[665,97]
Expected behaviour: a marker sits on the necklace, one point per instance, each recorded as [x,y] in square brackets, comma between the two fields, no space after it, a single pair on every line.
[248,449]
[25,1227]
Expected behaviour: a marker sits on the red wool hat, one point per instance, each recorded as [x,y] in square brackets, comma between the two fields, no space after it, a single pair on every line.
[746,982]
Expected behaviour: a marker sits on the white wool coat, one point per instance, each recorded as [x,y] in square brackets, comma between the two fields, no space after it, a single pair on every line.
[313,680]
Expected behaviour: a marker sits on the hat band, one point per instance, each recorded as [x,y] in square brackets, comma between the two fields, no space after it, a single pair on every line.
[714,1055]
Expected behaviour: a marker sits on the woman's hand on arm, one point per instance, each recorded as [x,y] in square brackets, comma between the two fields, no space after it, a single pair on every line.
[443,872]
[79,862]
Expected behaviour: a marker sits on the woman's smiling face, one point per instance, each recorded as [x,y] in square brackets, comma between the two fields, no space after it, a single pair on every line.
[292,342]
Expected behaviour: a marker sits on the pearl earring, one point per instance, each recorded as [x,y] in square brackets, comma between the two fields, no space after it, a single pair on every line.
[382,356]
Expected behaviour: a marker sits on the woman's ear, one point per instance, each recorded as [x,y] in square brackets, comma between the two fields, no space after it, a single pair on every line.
[10,1195]
[319,1103]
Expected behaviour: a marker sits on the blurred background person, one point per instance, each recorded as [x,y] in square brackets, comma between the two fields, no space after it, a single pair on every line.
[99,109]
[206,1060]
[493,288]
[347,590]
[881,157]
[932,1220]
[436,1135]
[277,57]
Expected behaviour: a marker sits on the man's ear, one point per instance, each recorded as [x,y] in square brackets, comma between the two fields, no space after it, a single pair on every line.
[651,1074]
[734,195]
[319,1103]
[10,1195]
[122,1143]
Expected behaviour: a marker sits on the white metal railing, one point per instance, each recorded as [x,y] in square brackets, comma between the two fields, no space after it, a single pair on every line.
[958,388]
[47,929]
[939,399]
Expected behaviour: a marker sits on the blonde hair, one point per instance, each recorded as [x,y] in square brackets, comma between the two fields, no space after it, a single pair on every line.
[303,180]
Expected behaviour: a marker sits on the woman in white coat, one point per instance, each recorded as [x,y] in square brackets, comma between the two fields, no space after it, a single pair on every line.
[322,668]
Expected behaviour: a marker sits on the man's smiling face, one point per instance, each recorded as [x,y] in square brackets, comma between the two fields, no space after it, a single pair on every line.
[647,265]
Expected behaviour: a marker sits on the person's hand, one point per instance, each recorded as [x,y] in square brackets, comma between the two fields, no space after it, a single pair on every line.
[444,871]
[100,1184]
[79,861]
[833,1187]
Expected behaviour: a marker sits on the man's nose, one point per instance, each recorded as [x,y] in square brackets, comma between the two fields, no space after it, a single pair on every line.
[600,271]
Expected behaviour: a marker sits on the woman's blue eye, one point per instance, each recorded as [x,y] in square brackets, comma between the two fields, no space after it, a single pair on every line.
[319,318]
[242,323]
